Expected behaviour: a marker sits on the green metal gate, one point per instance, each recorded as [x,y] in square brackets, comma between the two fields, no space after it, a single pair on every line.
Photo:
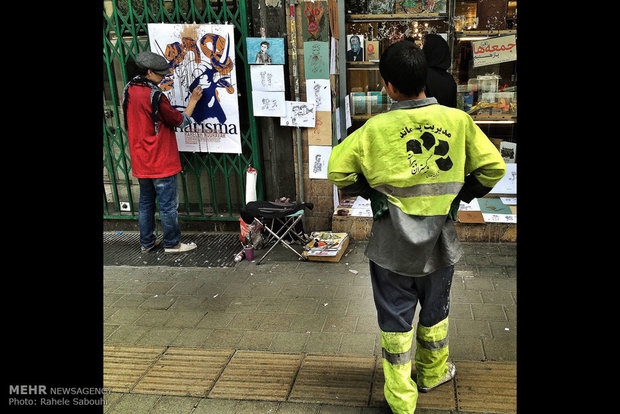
[212,185]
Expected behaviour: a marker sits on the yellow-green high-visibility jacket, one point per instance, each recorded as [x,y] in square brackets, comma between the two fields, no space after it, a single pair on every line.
[419,154]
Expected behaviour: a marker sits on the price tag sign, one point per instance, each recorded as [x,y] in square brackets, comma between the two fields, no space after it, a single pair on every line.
[494,50]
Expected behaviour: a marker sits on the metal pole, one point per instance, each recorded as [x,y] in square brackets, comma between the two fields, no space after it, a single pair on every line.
[300,167]
[342,70]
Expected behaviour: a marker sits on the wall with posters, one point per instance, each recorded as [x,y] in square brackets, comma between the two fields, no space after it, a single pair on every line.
[316,27]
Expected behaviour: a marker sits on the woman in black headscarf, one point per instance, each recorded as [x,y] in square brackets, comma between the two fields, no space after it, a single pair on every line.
[439,83]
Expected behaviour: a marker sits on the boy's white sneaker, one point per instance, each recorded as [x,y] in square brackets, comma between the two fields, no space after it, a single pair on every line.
[181,248]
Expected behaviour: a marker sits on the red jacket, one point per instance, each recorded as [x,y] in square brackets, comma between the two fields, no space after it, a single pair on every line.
[152,155]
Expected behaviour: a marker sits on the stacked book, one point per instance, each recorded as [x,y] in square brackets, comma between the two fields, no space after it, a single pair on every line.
[326,246]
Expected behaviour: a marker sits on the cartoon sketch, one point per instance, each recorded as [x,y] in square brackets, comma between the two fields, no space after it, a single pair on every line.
[300,110]
[319,154]
[315,56]
[318,166]
[267,78]
[319,92]
[267,103]
[508,183]
[316,60]
[318,125]
[299,114]
[263,57]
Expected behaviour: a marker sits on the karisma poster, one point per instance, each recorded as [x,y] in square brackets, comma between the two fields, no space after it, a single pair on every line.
[201,55]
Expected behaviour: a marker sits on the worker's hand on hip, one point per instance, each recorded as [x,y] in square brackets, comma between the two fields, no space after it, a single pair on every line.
[378,204]
[454,208]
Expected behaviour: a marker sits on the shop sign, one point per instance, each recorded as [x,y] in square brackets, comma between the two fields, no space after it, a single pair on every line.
[494,50]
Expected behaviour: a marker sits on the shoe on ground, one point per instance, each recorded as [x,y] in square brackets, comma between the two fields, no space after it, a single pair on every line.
[181,248]
[449,375]
[148,249]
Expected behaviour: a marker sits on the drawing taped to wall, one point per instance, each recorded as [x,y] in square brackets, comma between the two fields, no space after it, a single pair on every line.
[318,91]
[299,114]
[315,22]
[316,60]
[268,103]
[321,134]
[267,78]
[201,55]
[508,183]
[265,51]
[318,156]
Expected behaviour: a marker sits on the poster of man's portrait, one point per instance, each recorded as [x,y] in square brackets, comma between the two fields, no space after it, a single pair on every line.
[355,48]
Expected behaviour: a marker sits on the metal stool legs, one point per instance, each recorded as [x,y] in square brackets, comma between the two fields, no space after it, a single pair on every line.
[280,238]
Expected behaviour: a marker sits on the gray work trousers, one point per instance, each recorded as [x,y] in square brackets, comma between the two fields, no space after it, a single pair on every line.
[396,297]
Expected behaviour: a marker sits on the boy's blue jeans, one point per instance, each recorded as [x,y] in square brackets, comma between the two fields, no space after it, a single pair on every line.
[166,191]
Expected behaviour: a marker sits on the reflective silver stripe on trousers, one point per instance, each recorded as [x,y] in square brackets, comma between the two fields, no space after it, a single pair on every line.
[397,359]
[420,190]
[434,345]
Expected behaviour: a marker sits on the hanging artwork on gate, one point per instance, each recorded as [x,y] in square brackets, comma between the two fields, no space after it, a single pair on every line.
[268,103]
[299,114]
[315,23]
[265,51]
[267,78]
[201,55]
[316,60]
[319,92]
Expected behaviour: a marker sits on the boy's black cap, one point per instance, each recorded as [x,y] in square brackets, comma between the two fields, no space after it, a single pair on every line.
[154,62]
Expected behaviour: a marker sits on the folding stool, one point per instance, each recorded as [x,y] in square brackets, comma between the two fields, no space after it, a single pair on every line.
[287,214]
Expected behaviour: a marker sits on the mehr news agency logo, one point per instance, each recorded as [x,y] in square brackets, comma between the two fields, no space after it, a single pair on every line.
[42,395]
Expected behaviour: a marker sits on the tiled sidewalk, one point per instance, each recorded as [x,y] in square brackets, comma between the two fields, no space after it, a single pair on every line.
[267,379]
[288,306]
